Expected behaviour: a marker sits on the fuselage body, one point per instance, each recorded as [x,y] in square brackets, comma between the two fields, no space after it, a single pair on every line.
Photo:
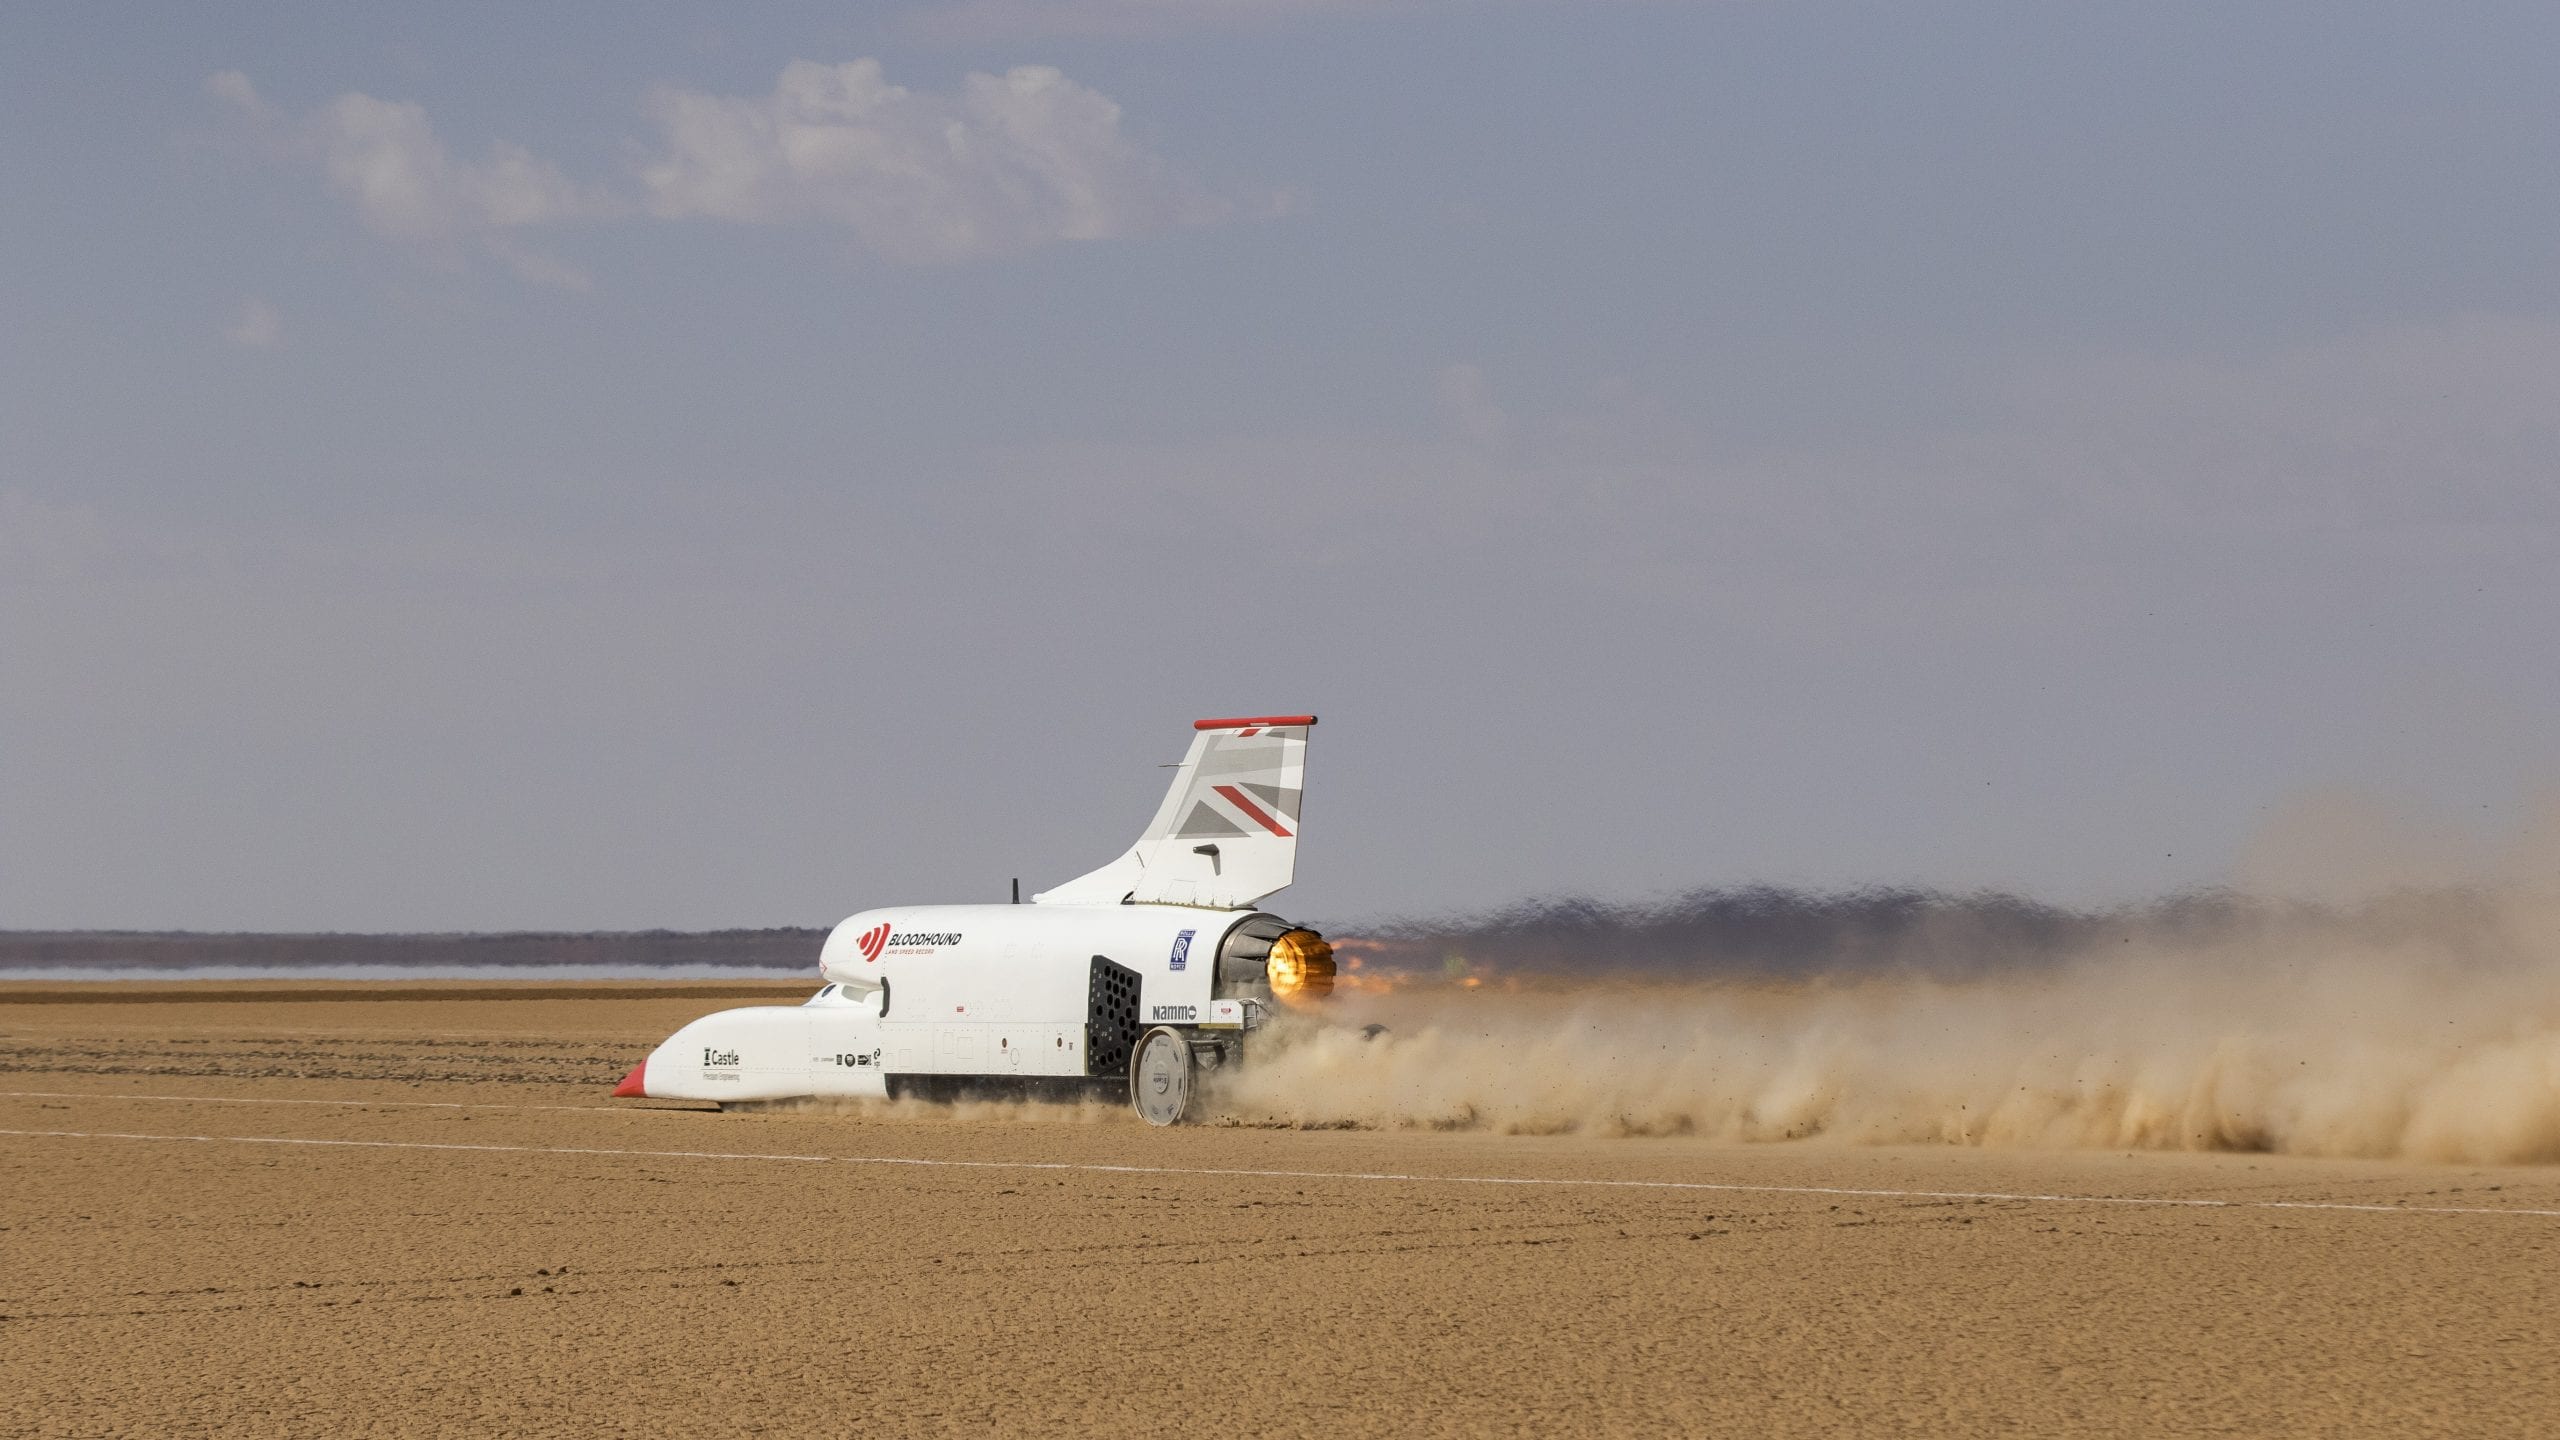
[989,992]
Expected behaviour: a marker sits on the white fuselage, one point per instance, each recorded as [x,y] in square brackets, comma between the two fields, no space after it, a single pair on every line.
[999,992]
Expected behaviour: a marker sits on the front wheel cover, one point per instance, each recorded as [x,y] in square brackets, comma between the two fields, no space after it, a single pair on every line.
[1163,1083]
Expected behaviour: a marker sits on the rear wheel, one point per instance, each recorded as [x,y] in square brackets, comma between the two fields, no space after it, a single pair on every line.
[1164,1086]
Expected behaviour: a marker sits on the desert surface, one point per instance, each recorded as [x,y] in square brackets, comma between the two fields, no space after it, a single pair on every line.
[409,1209]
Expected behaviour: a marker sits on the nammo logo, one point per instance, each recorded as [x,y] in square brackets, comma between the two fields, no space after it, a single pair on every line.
[873,939]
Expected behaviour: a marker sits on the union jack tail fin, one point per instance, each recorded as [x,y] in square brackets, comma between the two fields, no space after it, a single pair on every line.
[1227,832]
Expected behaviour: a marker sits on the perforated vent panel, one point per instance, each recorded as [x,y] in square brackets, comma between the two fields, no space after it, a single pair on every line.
[1110,1018]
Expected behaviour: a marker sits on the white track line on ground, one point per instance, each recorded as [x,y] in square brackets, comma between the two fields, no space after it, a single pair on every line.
[1361,1176]
[418,1145]
[358,1104]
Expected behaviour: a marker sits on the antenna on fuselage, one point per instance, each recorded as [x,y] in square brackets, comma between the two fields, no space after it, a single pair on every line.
[1017,889]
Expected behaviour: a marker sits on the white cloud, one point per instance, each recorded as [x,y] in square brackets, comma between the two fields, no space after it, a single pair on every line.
[1008,163]
[385,159]
[233,88]
[1011,162]
[257,326]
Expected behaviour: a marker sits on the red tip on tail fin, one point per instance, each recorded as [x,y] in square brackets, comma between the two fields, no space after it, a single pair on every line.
[634,1086]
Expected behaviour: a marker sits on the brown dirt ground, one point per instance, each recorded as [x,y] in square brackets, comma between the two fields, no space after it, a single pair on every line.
[188,1286]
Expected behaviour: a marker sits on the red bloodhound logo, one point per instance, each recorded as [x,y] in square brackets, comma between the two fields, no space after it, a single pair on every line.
[872,940]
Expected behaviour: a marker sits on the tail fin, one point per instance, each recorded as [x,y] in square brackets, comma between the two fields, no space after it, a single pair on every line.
[1227,833]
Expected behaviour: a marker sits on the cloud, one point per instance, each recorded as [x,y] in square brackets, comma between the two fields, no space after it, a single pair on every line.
[384,159]
[233,88]
[257,326]
[1010,162]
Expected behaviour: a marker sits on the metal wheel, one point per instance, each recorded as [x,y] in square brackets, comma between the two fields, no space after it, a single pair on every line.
[1163,1085]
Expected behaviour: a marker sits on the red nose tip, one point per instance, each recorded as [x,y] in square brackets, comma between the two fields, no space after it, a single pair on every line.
[633,1086]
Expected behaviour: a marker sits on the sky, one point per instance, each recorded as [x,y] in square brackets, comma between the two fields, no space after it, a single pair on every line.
[480,466]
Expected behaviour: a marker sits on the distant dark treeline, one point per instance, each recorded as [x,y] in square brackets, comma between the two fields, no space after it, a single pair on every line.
[638,950]
[1774,931]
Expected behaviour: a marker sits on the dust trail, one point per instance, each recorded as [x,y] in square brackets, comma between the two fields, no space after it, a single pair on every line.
[2424,1025]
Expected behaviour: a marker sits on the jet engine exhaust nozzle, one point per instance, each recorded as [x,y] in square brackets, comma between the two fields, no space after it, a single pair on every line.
[1300,967]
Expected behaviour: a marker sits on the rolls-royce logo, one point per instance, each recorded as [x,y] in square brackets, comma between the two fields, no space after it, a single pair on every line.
[873,939]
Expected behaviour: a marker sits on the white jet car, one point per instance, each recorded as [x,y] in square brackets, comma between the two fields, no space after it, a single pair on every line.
[1131,981]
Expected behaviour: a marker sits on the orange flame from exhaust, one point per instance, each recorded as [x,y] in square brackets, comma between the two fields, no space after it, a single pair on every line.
[1371,966]
[1301,967]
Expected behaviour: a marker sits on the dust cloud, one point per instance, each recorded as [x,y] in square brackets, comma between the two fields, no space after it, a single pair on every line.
[2420,1024]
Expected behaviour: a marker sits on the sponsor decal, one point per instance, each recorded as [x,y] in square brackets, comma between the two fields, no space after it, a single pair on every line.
[720,1058]
[1177,1012]
[882,939]
[849,1061]
[1181,950]
[923,939]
